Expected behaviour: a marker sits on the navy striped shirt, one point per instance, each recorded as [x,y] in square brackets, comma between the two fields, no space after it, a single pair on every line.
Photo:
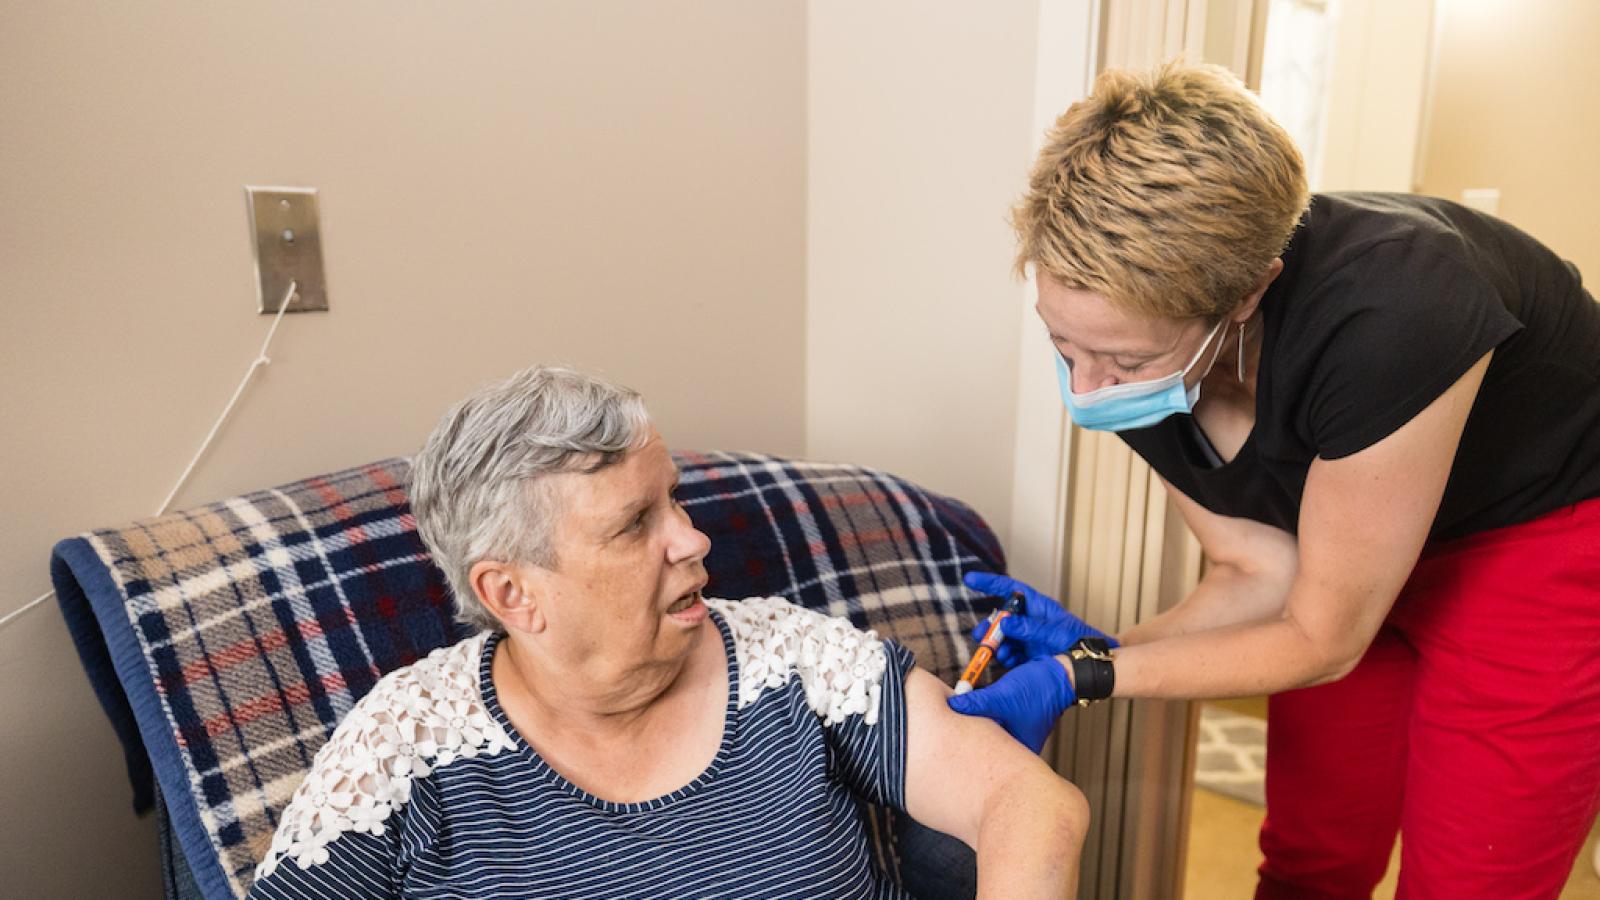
[426,790]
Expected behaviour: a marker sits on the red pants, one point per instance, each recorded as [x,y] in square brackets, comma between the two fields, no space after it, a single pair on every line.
[1471,726]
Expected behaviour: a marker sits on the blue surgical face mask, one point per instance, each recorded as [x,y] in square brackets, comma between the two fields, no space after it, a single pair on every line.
[1134,404]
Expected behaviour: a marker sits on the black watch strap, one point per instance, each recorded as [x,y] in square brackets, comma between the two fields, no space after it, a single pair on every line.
[1093,674]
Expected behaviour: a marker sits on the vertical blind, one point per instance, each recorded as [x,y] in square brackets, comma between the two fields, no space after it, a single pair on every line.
[1128,555]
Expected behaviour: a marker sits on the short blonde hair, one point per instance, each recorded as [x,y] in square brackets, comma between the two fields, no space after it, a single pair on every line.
[1169,192]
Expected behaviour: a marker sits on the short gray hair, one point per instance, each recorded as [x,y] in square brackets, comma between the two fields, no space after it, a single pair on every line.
[475,487]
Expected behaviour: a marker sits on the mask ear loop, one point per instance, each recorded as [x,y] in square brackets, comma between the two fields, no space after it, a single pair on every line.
[1241,353]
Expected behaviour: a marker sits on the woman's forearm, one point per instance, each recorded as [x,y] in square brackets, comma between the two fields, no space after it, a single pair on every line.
[1227,595]
[1236,660]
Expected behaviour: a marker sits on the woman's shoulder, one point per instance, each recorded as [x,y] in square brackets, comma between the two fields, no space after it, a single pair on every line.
[1402,244]
[414,721]
[1375,278]
[840,666]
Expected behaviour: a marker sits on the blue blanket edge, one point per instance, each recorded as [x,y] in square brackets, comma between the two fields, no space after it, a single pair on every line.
[97,618]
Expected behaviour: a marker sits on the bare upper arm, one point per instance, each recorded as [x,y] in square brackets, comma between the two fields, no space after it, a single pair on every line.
[1364,519]
[955,763]
[1246,544]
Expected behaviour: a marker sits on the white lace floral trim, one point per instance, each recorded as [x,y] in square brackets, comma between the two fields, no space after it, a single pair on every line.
[840,667]
[414,720]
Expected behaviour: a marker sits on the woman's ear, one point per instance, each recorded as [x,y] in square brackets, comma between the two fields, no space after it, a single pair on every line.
[1248,307]
[510,592]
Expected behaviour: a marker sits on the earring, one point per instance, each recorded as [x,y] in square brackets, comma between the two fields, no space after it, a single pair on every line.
[1241,353]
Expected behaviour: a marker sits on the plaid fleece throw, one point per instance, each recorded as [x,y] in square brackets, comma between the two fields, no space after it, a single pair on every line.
[226,642]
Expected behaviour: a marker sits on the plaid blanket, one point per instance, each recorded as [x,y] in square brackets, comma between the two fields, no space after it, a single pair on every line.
[226,642]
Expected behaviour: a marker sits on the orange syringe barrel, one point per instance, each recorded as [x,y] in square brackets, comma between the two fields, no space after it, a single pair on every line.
[990,643]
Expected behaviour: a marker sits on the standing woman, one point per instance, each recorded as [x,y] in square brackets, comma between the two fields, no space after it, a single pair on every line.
[1380,414]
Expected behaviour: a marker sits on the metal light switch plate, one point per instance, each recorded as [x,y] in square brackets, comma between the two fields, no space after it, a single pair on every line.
[288,239]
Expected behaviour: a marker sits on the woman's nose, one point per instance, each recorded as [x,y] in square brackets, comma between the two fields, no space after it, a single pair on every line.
[1087,377]
[688,543]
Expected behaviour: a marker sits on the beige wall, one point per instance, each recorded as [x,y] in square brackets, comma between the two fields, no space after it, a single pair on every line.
[1516,107]
[1376,95]
[920,132]
[618,185]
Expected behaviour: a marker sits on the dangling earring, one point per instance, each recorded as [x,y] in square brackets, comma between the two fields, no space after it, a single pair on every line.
[1241,353]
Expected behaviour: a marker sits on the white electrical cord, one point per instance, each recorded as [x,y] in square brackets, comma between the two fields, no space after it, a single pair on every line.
[17,612]
[261,360]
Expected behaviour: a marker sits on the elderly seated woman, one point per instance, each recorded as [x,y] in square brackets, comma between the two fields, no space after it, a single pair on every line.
[613,733]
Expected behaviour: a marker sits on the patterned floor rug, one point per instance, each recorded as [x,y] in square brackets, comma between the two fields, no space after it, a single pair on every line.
[1231,757]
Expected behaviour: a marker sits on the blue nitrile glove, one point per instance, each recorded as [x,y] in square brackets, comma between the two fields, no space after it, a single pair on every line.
[1025,701]
[1046,630]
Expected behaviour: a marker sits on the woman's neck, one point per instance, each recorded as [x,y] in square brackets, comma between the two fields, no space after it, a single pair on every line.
[1225,377]
[646,734]
[1226,412]
[552,690]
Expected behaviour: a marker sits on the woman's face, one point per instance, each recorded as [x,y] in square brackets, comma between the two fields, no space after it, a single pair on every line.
[624,592]
[1105,345]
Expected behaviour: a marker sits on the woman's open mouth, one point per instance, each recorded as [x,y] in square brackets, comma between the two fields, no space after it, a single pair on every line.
[688,606]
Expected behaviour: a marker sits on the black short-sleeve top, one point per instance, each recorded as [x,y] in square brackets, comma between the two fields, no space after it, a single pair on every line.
[1384,301]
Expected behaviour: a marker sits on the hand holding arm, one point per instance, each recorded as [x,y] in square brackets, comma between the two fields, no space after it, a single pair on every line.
[1026,701]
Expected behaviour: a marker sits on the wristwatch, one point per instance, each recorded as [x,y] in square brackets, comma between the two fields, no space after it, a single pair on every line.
[1093,675]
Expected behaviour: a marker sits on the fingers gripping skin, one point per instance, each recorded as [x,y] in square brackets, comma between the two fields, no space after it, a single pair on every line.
[1026,701]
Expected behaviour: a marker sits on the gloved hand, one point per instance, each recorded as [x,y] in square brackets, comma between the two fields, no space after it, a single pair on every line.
[1046,630]
[1025,701]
